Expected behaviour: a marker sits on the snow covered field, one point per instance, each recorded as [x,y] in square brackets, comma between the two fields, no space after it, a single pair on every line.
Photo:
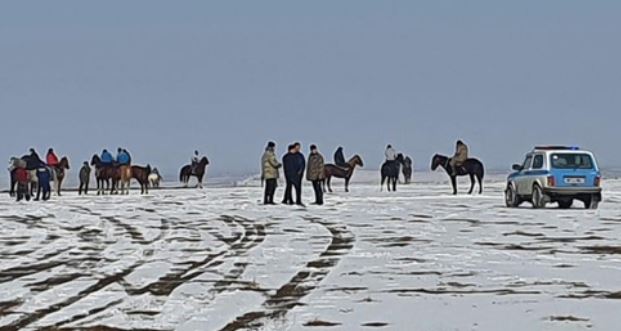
[215,259]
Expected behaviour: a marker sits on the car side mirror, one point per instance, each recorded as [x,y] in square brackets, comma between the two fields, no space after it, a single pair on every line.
[517,167]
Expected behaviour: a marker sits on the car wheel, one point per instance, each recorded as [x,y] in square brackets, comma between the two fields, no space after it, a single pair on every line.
[511,198]
[591,203]
[565,204]
[538,199]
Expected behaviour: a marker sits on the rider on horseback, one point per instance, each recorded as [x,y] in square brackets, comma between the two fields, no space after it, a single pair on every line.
[339,158]
[52,159]
[123,158]
[33,161]
[106,158]
[391,154]
[195,160]
[461,155]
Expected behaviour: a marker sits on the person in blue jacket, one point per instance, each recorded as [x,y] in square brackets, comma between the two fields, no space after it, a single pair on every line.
[122,157]
[106,158]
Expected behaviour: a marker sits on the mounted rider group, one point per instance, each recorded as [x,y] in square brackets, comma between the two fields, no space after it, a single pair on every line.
[32,177]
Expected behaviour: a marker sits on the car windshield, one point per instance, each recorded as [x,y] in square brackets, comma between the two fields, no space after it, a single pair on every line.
[571,161]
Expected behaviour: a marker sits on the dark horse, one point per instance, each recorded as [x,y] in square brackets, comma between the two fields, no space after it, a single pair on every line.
[331,170]
[186,172]
[472,167]
[407,170]
[104,175]
[390,171]
[141,174]
[59,173]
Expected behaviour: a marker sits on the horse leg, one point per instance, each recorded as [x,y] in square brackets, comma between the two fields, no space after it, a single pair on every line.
[472,182]
[394,184]
[382,183]
[454,183]
[347,184]
[480,184]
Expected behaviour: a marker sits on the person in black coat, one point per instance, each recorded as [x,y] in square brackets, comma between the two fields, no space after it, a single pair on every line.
[289,169]
[294,165]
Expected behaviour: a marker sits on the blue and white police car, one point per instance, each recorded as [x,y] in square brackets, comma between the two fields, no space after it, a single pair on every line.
[555,174]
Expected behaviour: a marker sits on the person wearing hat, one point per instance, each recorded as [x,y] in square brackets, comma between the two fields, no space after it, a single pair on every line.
[270,172]
[460,157]
[315,173]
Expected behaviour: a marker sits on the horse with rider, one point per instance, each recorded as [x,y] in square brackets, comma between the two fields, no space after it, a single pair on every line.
[461,165]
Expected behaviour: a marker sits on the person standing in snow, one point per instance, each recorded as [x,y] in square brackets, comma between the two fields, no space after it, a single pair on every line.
[270,172]
[315,173]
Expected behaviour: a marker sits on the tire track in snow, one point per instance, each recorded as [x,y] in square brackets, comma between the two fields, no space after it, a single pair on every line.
[289,295]
[118,277]
[252,236]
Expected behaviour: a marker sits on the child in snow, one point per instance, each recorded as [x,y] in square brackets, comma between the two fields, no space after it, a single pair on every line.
[22,177]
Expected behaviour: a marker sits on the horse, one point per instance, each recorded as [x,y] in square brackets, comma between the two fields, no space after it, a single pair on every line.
[407,170]
[472,167]
[125,176]
[141,174]
[104,175]
[13,180]
[331,170]
[186,173]
[390,171]
[33,184]
[59,173]
[154,179]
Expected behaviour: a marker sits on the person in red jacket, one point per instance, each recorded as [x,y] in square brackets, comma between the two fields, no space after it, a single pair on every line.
[22,177]
[52,159]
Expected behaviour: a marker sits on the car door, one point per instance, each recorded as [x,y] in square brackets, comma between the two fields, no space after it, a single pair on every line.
[535,171]
[522,176]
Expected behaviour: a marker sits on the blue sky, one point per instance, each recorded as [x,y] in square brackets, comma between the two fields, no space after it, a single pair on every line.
[163,78]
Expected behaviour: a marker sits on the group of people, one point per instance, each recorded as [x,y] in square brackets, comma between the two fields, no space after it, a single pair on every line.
[294,165]
[31,165]
[122,158]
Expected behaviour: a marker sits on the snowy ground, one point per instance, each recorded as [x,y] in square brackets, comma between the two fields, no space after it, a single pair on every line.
[215,259]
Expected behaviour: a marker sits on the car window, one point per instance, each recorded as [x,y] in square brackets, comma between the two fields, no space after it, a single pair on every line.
[571,161]
[527,162]
[538,162]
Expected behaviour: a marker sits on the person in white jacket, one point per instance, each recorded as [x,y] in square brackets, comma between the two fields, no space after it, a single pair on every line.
[391,153]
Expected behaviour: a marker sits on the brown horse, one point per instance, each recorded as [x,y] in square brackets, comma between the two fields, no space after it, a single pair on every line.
[59,173]
[331,170]
[104,175]
[141,174]
[125,175]
[186,172]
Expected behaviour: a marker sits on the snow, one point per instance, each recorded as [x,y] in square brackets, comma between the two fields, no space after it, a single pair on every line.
[216,259]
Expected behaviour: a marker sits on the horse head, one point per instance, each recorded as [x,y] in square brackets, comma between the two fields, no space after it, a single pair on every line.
[356,161]
[400,158]
[204,161]
[437,161]
[64,163]
[95,161]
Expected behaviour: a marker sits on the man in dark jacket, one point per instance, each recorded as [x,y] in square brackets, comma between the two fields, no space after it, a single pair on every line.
[315,173]
[300,166]
[289,168]
[33,161]
[339,158]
